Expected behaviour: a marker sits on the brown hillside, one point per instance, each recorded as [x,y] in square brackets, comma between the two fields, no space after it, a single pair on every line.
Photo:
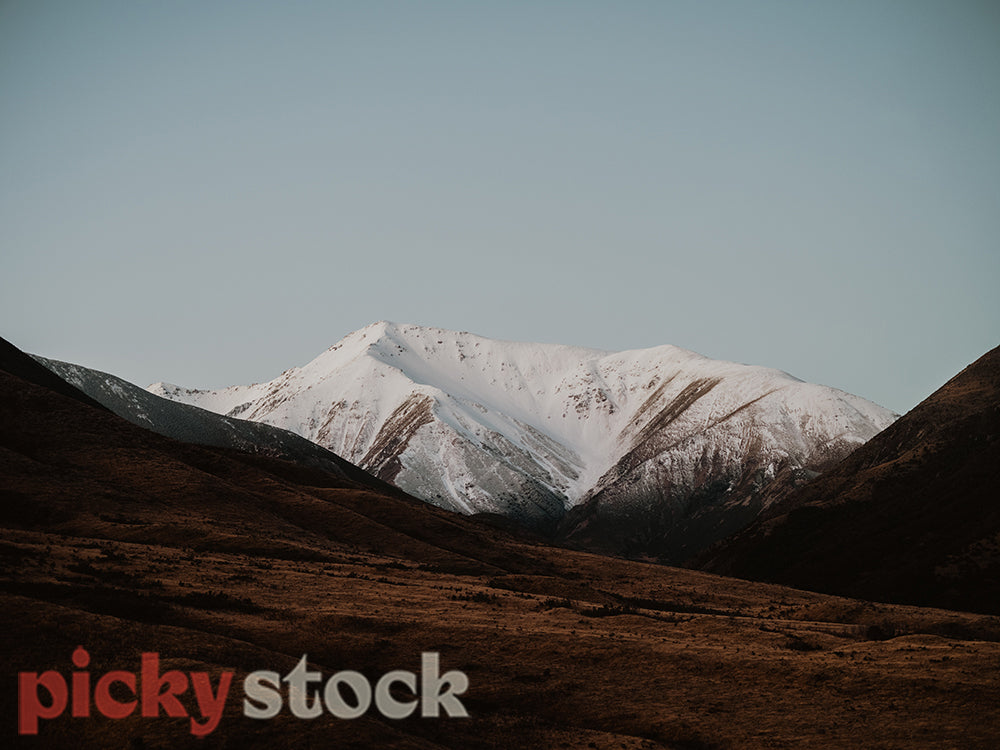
[126,542]
[912,516]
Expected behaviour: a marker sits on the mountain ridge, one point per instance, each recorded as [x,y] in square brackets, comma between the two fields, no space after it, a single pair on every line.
[533,430]
[126,542]
[199,426]
[917,502]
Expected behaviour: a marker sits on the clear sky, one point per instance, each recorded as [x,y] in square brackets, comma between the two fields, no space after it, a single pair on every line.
[208,193]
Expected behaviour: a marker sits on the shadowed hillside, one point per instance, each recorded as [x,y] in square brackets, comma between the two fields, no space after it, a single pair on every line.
[912,516]
[127,542]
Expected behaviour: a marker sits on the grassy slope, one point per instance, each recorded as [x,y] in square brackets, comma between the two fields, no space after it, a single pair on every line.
[912,516]
[124,542]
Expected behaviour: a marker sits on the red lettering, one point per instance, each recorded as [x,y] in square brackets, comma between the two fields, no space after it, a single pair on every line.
[153,683]
[29,706]
[81,684]
[158,691]
[211,706]
[102,695]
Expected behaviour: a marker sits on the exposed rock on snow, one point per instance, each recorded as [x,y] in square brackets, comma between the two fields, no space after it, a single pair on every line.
[533,430]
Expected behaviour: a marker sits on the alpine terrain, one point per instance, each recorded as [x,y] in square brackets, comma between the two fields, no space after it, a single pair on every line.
[530,431]
[193,425]
[912,516]
[217,562]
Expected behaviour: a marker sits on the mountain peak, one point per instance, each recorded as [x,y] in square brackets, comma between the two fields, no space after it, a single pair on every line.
[530,430]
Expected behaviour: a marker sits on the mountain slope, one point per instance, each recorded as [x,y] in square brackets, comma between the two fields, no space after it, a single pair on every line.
[193,425]
[531,430]
[70,466]
[126,542]
[15,362]
[912,516]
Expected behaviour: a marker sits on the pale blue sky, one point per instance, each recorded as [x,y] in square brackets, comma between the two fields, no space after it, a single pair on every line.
[208,193]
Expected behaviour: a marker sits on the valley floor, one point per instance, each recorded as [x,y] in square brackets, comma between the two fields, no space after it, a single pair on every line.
[594,653]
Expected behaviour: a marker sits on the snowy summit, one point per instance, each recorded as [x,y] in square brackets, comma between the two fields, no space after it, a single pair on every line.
[530,430]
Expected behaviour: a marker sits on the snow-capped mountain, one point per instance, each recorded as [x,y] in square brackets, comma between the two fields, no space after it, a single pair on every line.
[193,425]
[532,430]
